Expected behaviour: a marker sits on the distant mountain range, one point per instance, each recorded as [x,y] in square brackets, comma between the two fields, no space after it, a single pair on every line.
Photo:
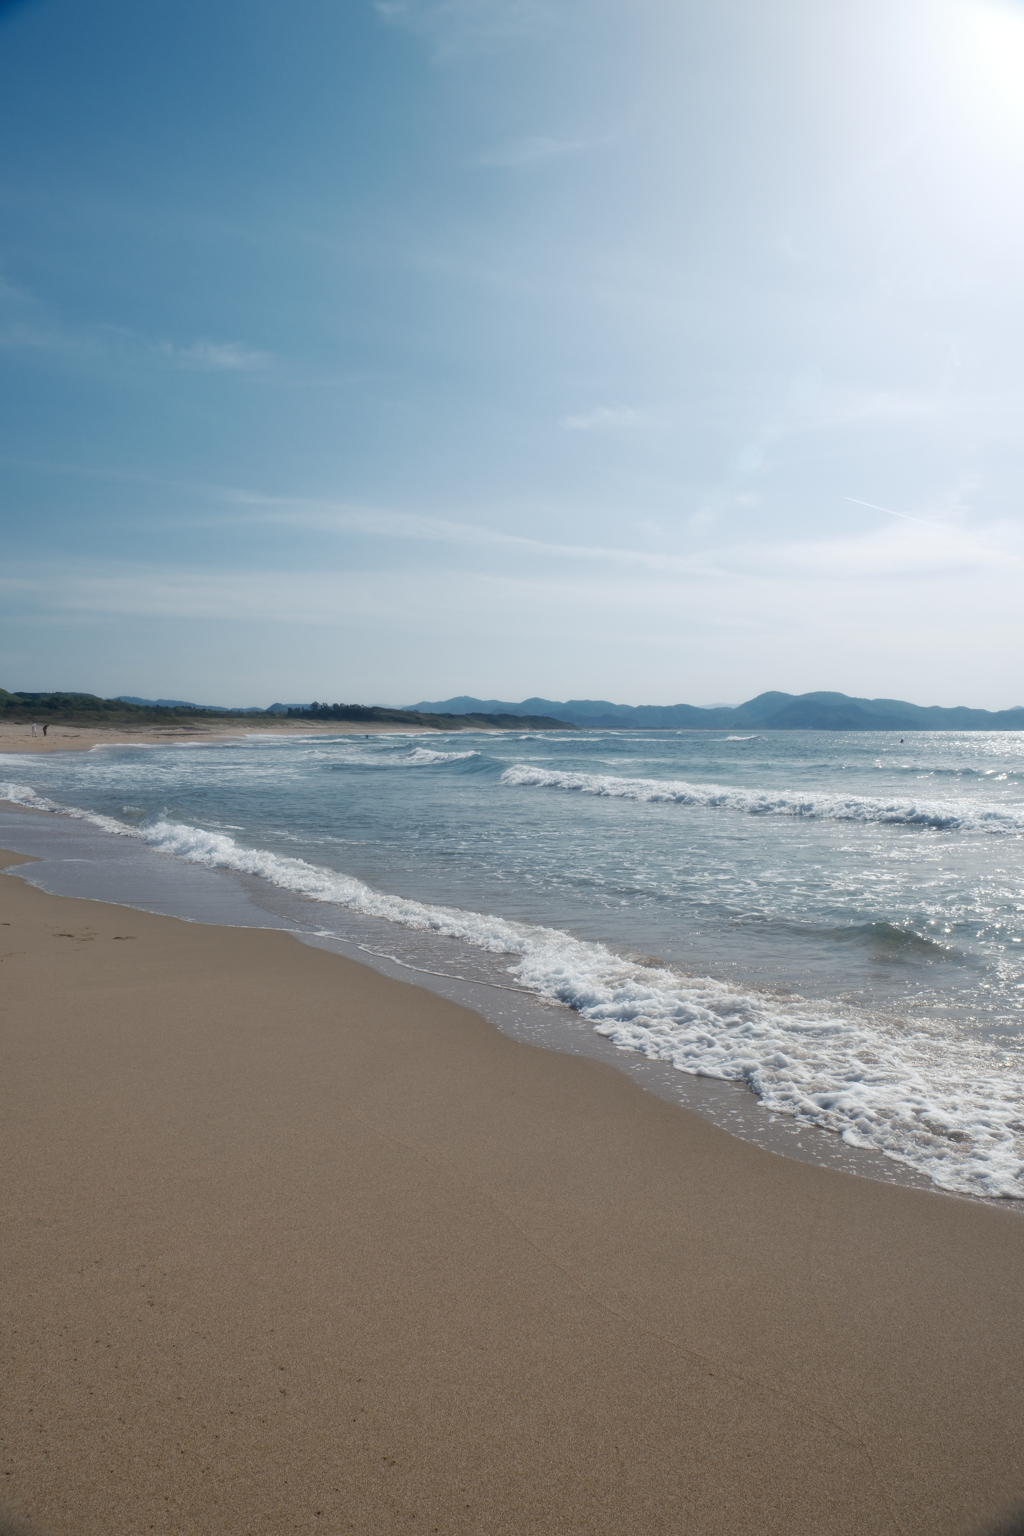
[769,712]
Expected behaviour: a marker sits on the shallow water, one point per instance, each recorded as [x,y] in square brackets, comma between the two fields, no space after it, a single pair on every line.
[836,920]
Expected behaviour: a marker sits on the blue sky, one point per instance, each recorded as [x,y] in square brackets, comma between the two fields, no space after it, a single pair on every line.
[608,348]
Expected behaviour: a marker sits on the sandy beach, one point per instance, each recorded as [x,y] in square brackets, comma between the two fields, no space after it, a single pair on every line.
[291,1246]
[17,737]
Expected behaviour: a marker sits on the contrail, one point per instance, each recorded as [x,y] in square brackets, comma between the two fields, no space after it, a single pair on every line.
[876,508]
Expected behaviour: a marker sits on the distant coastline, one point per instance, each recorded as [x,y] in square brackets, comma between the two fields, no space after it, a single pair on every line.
[773,711]
[768,712]
[87,709]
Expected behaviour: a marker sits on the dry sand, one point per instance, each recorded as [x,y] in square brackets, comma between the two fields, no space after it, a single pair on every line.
[289,1246]
[79,738]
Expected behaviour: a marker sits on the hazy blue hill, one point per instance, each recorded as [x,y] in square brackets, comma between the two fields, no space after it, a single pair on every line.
[814,710]
[817,715]
[592,712]
[768,711]
[757,711]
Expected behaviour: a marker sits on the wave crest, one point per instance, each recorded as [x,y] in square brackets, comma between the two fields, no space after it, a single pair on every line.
[816,805]
[422,755]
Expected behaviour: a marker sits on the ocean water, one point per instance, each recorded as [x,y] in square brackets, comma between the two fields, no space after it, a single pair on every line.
[836,921]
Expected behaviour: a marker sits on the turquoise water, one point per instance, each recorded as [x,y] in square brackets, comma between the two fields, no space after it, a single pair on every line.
[837,920]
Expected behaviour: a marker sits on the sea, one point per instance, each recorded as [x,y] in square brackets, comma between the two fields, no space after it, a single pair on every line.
[830,925]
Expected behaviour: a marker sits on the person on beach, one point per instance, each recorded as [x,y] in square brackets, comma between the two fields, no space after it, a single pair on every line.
[33,727]
[45,729]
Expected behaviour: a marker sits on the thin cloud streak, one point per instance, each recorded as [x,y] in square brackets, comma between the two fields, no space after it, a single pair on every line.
[413,526]
[537,148]
[906,515]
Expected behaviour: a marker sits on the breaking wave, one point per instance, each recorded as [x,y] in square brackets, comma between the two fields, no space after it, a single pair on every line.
[423,755]
[816,805]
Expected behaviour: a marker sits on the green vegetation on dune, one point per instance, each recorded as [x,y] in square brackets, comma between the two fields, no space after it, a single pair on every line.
[88,709]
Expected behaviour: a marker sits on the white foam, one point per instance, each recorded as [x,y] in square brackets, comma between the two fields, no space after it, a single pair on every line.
[421,755]
[815,805]
[22,794]
[344,751]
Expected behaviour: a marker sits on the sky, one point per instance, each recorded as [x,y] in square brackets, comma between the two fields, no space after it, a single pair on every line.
[642,350]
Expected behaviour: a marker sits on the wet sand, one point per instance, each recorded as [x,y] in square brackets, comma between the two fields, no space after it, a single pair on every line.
[289,1245]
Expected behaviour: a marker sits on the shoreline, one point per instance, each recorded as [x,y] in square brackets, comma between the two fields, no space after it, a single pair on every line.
[291,1244]
[80,861]
[66,737]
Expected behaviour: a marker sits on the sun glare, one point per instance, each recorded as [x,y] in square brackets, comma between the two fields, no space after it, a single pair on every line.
[987,56]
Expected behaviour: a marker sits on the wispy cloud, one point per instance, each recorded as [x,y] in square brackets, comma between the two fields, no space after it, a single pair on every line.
[909,547]
[533,148]
[28,336]
[310,597]
[331,517]
[458,26]
[735,590]
[921,550]
[909,516]
[106,346]
[29,323]
[603,418]
[215,357]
